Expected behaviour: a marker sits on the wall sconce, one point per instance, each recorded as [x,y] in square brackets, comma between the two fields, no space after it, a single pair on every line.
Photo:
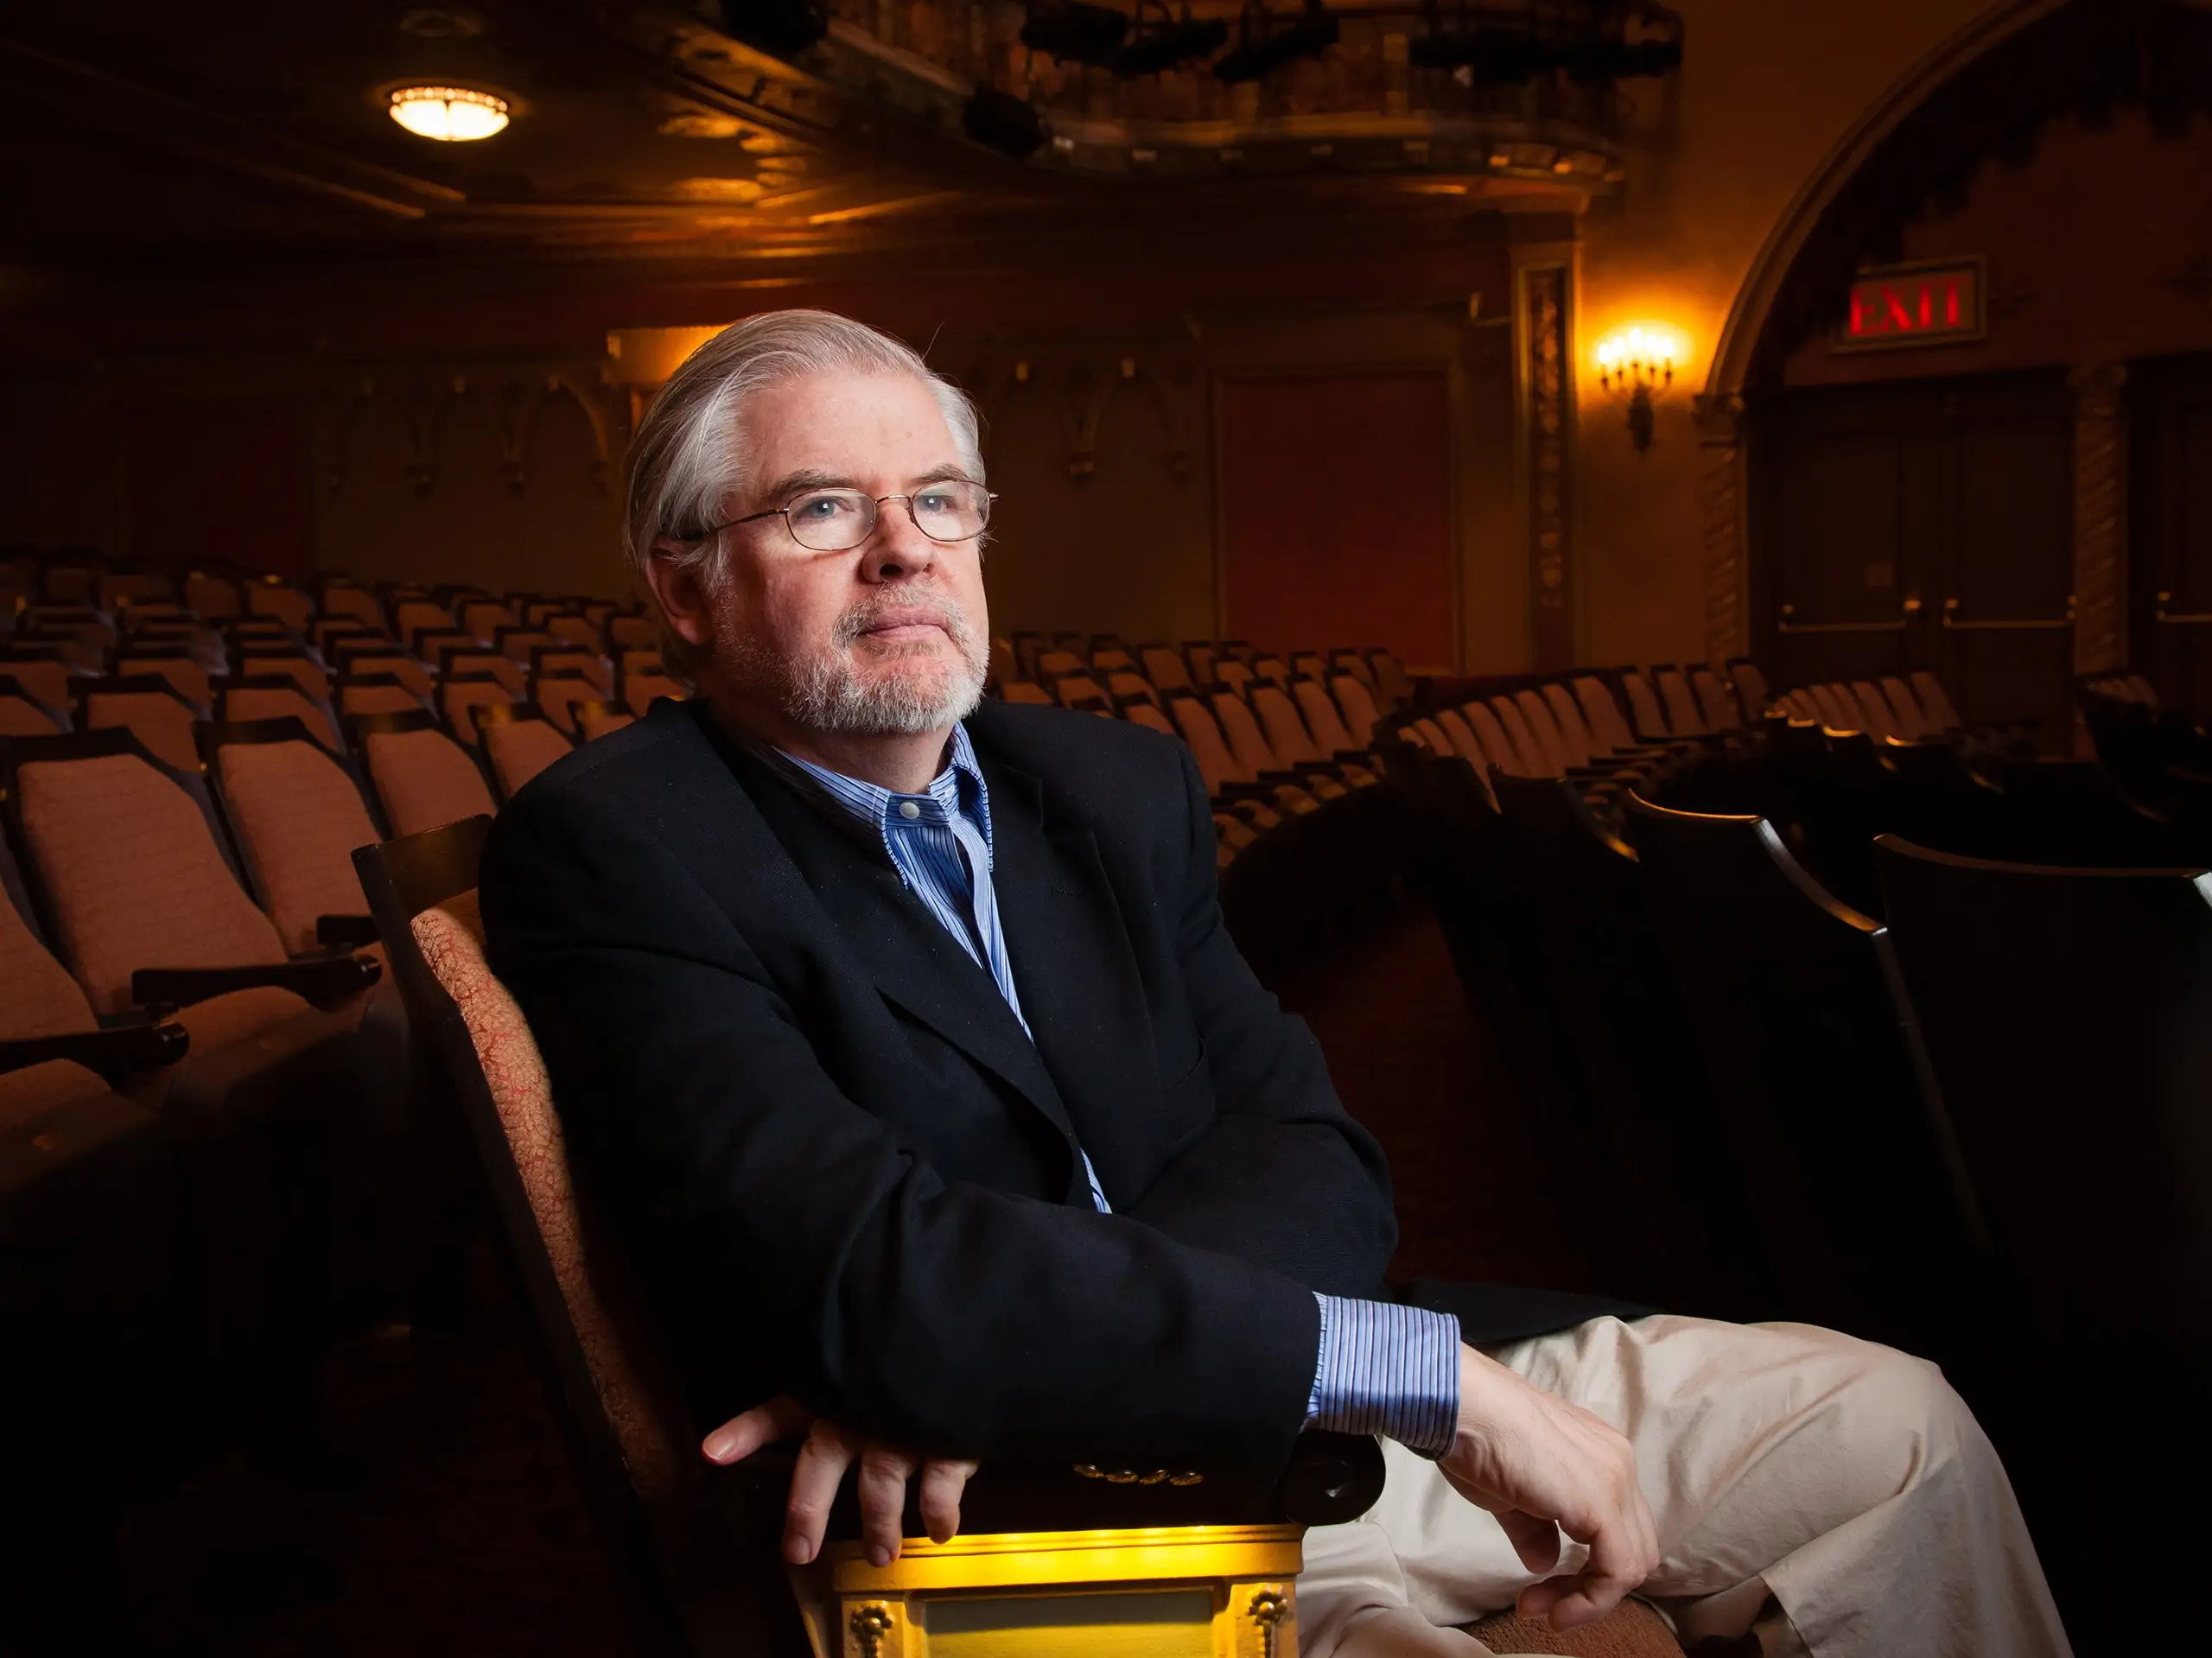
[1637,363]
[449,114]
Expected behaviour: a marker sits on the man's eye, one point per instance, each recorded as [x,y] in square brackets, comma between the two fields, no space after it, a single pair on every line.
[936,500]
[822,508]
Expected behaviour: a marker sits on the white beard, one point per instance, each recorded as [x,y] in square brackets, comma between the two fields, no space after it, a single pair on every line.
[829,693]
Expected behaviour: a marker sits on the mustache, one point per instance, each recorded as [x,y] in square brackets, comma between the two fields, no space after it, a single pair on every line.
[932,608]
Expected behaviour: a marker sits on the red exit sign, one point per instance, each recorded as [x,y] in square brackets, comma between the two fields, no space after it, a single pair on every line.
[1936,304]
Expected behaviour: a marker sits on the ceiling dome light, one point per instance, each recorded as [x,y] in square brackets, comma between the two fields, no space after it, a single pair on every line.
[449,114]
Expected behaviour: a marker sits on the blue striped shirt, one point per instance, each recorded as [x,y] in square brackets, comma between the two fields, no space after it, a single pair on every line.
[1383,1368]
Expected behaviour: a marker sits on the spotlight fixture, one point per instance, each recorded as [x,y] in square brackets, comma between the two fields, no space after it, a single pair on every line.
[1002,122]
[448,114]
[1637,363]
[1168,42]
[1075,32]
[783,29]
[1259,52]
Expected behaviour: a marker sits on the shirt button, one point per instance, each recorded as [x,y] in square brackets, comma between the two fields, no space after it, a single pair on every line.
[907,808]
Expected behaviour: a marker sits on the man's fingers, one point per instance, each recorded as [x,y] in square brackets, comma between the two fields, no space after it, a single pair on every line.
[1536,1541]
[829,1450]
[942,1482]
[884,1472]
[746,1432]
[1621,1555]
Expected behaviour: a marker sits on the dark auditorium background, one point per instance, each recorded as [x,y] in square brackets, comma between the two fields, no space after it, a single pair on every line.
[1594,419]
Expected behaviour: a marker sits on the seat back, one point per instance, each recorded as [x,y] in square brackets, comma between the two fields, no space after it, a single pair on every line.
[412,618]
[1321,716]
[1787,989]
[129,863]
[1461,739]
[1232,674]
[42,999]
[424,778]
[627,633]
[629,1437]
[517,745]
[1148,715]
[1165,669]
[596,720]
[1571,743]
[215,597]
[298,812]
[1355,698]
[22,715]
[482,619]
[1716,701]
[1217,763]
[567,658]
[288,659]
[250,697]
[557,696]
[642,690]
[1246,740]
[1934,702]
[2067,1015]
[1538,758]
[149,709]
[1278,715]
[462,695]
[1026,690]
[1127,687]
[1750,686]
[186,677]
[1643,706]
[374,694]
[1607,725]
[1503,753]
[572,627]
[1684,718]
[49,680]
[338,599]
[1874,709]
[1057,665]
[1912,723]
[505,668]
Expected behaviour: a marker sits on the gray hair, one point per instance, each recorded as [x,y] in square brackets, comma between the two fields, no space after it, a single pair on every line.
[688,460]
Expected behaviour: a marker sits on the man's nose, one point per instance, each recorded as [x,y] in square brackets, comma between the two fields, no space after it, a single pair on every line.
[897,548]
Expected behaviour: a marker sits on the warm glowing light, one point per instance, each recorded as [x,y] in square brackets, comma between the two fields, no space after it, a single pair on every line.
[1641,354]
[449,114]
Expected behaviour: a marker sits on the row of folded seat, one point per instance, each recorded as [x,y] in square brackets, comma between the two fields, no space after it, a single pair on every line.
[195,998]
[1890,707]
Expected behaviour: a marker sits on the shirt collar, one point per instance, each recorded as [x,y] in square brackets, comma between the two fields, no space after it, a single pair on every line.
[958,789]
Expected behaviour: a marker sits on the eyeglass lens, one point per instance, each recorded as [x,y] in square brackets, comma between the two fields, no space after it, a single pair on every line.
[830,520]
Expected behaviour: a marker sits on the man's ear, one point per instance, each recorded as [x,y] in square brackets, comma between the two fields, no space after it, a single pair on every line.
[682,595]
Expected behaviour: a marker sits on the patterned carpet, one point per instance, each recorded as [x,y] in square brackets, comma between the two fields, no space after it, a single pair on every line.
[442,1519]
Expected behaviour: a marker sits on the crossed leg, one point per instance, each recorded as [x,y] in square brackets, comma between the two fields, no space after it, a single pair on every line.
[1844,1480]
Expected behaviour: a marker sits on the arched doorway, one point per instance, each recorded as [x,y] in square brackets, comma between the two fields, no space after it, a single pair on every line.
[1898,514]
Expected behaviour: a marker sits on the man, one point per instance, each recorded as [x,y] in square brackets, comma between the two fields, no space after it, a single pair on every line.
[945,1122]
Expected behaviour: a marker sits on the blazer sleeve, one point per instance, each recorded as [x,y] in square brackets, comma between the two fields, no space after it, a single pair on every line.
[1285,1178]
[944,1315]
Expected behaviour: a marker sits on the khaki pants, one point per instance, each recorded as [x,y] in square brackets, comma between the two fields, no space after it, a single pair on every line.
[1844,1480]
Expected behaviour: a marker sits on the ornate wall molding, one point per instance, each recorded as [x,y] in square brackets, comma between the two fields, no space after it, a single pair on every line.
[1721,490]
[1548,414]
[1077,395]
[2100,518]
[516,403]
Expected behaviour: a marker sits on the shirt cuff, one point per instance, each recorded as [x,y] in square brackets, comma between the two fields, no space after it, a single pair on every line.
[1389,1369]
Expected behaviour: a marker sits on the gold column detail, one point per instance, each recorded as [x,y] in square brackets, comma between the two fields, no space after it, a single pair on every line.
[1546,375]
[1268,1609]
[2100,519]
[1720,421]
[870,1624]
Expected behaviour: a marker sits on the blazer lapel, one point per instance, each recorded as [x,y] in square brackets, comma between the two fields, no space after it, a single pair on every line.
[905,953]
[1080,989]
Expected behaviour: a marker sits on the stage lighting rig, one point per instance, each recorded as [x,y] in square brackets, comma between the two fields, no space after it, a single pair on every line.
[1628,38]
[1261,50]
[783,29]
[1075,32]
[1168,42]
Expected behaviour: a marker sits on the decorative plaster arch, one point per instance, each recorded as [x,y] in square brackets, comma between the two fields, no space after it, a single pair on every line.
[1720,409]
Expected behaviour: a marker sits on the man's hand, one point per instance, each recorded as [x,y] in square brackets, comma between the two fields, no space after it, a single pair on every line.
[1543,1467]
[829,1450]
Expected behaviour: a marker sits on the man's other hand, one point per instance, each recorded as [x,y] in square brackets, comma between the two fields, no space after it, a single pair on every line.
[1543,1467]
[829,1451]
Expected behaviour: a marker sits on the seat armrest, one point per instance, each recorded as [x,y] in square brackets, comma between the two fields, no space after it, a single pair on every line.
[116,1052]
[347,932]
[320,979]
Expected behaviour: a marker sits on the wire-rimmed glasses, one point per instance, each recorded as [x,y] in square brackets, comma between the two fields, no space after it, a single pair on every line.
[834,520]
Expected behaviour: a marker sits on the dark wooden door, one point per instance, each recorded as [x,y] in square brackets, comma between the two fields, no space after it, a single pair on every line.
[2170,610]
[1921,525]
[1335,513]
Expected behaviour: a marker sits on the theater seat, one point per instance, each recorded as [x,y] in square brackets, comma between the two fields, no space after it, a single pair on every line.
[517,745]
[688,1543]
[423,778]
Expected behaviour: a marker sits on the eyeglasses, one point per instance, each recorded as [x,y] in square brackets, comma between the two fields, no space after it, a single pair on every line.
[832,520]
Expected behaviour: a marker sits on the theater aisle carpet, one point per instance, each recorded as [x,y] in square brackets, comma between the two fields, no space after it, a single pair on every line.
[444,1519]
